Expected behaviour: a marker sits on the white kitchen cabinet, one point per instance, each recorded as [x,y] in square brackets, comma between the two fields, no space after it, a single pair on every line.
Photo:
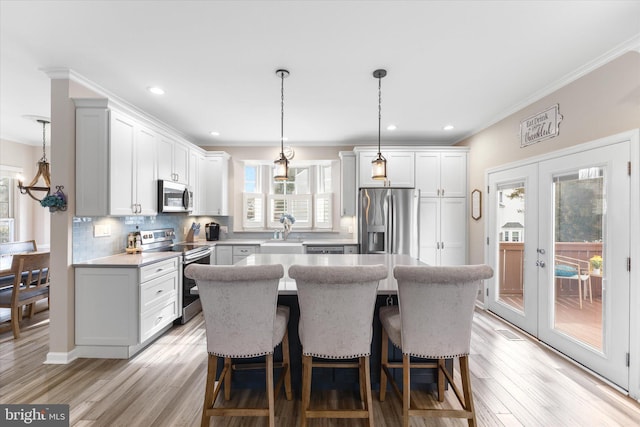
[172,159]
[215,184]
[400,169]
[119,310]
[443,231]
[240,252]
[348,183]
[441,173]
[115,162]
[224,255]
[196,164]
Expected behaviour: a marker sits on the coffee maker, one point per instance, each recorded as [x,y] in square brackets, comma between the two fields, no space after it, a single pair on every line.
[212,231]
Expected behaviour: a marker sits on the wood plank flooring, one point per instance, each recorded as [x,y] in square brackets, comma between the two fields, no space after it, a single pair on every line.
[515,383]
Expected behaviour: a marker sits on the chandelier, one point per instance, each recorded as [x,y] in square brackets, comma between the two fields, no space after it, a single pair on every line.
[43,171]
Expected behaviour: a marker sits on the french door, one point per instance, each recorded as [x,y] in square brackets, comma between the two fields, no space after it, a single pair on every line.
[563,275]
[513,221]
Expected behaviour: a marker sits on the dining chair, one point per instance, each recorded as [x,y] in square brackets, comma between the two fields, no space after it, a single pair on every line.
[432,321]
[31,282]
[242,320]
[337,306]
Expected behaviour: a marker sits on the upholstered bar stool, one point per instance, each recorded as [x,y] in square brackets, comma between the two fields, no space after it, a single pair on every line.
[432,321]
[242,320]
[336,317]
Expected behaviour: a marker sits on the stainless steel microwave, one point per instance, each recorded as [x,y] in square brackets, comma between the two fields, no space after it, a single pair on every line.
[174,197]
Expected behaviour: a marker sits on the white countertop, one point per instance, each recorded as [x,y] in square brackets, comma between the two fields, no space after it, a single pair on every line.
[128,260]
[388,286]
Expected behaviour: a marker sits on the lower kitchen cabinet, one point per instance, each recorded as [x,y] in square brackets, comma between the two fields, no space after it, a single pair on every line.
[119,310]
[224,255]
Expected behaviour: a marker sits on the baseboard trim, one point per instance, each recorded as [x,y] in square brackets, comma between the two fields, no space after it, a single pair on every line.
[60,358]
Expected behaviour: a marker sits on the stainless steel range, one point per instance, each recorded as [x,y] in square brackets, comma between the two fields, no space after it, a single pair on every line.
[161,240]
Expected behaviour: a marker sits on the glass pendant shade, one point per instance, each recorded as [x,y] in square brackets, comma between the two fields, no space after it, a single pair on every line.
[281,168]
[379,167]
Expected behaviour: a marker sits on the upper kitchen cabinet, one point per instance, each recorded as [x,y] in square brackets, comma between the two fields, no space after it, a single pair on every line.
[348,183]
[442,173]
[196,165]
[400,169]
[115,162]
[215,184]
[172,160]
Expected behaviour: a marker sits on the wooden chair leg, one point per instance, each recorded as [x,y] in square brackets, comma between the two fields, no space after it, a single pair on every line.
[406,389]
[270,391]
[363,396]
[383,364]
[227,378]
[16,316]
[441,380]
[367,386]
[286,361]
[306,388]
[466,388]
[209,387]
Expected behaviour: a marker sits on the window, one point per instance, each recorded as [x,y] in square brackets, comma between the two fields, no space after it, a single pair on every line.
[306,195]
[515,236]
[7,185]
[506,236]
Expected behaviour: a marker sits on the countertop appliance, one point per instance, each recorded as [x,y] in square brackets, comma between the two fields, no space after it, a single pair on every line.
[388,221]
[174,197]
[325,250]
[212,231]
[161,240]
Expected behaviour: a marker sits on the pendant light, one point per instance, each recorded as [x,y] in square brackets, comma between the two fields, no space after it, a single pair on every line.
[43,171]
[281,166]
[379,164]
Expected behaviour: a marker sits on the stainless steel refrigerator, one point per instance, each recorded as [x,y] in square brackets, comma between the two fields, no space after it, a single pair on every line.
[388,221]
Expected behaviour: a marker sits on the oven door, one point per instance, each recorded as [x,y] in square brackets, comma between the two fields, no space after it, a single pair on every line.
[191,302]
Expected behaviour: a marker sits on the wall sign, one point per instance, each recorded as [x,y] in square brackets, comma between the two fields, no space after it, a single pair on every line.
[540,126]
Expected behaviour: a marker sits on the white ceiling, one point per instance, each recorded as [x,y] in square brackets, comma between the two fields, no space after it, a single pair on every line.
[466,63]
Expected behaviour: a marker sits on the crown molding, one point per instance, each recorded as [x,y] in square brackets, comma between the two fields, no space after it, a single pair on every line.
[632,44]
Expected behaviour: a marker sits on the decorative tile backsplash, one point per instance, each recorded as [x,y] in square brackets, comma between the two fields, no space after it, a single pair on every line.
[86,246]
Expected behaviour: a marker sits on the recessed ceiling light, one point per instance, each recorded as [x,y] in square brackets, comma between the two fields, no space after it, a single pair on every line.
[448,127]
[214,133]
[156,90]
[392,127]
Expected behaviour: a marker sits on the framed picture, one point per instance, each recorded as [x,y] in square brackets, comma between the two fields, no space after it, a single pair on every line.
[476,204]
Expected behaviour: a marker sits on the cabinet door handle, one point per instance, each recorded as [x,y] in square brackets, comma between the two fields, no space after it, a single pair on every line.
[442,245]
[443,192]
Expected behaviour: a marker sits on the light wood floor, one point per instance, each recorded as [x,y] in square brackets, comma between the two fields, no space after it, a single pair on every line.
[515,382]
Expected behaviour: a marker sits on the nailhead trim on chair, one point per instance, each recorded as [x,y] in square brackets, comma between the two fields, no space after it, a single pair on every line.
[241,356]
[324,356]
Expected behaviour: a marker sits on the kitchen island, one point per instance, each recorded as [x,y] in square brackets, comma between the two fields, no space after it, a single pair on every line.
[388,286]
[329,378]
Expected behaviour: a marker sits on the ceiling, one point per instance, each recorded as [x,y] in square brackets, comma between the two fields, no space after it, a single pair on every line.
[465,63]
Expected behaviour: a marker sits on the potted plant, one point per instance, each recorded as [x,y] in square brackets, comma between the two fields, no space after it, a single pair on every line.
[596,263]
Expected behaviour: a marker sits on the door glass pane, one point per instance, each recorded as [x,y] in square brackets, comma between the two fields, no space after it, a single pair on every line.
[511,237]
[579,209]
